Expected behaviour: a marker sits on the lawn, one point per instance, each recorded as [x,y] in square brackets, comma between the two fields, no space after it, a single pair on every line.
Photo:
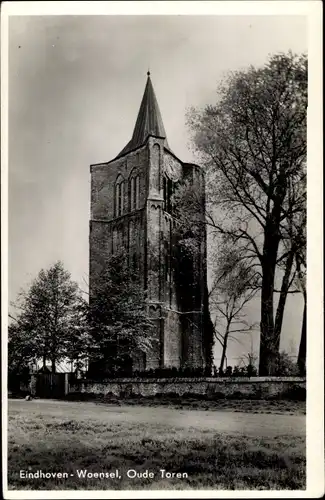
[72,438]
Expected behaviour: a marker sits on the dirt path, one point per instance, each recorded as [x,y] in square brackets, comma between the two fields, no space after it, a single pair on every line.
[221,421]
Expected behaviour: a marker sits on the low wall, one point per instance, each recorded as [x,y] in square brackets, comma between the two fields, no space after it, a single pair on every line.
[214,388]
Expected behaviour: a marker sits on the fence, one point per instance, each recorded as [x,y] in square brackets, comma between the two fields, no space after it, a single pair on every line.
[51,385]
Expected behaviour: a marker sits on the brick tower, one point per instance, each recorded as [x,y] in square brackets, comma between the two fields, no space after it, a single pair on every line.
[131,205]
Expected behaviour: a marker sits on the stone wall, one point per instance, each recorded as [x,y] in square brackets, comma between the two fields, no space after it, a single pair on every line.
[237,388]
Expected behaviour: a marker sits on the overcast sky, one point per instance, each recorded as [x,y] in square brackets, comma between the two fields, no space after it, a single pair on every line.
[75,86]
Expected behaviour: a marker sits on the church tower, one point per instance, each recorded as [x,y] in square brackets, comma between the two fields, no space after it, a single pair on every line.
[132,206]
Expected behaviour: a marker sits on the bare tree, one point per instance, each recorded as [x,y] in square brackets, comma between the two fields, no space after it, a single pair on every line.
[233,287]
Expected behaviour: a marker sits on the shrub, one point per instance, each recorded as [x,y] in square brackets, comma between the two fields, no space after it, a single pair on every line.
[285,367]
[172,372]
[236,371]
[229,371]
[244,371]
[251,371]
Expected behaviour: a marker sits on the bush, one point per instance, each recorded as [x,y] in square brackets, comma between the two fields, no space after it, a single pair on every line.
[174,372]
[229,371]
[251,371]
[244,371]
[170,373]
[285,367]
[236,372]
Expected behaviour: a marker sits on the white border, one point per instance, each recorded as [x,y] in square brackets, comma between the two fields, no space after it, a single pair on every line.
[315,259]
[315,363]
[195,8]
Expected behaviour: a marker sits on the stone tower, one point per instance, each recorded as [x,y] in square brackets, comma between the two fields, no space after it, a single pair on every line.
[132,205]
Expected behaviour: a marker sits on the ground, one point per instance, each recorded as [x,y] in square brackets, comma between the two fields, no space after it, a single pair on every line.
[215,449]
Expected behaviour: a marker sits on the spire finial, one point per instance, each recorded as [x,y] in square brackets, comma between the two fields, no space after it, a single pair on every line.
[148,122]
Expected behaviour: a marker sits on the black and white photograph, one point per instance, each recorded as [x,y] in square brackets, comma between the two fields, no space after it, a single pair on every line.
[155,275]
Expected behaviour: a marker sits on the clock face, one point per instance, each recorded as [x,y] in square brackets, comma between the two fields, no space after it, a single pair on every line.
[173,169]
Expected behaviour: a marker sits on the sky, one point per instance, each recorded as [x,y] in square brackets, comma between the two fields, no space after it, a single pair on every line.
[75,87]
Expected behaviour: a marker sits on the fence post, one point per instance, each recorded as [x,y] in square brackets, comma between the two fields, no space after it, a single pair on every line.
[66,384]
[32,384]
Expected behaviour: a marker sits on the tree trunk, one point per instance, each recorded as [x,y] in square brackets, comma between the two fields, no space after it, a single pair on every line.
[44,362]
[224,347]
[282,300]
[53,365]
[302,347]
[267,351]
[208,334]
[268,345]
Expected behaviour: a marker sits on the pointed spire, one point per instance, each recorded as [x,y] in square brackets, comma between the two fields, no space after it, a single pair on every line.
[149,121]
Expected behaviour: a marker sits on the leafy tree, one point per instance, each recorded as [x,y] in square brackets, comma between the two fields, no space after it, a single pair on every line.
[119,322]
[78,340]
[22,348]
[47,315]
[253,146]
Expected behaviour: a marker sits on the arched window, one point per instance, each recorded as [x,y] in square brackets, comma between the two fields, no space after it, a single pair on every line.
[119,196]
[169,190]
[134,192]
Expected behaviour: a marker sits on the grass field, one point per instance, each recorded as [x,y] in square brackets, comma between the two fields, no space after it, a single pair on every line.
[68,437]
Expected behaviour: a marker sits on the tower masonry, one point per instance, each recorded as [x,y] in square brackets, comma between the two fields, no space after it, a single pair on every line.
[132,207]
